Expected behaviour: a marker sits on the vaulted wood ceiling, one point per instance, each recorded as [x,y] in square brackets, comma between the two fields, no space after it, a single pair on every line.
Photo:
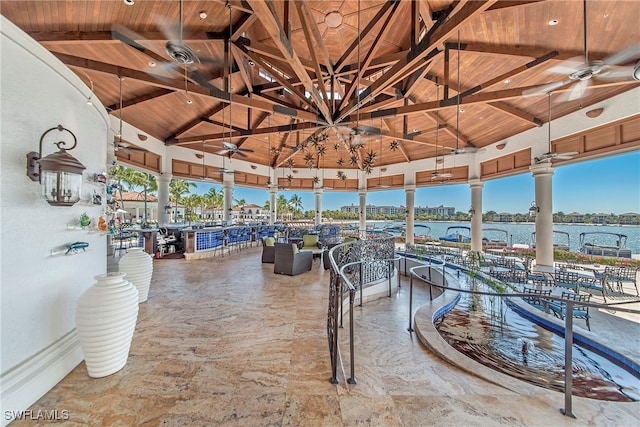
[336,83]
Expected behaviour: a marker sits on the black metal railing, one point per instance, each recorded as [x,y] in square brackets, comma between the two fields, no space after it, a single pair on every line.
[355,265]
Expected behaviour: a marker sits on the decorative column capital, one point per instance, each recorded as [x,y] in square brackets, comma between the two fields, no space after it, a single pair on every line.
[317,190]
[476,183]
[541,169]
[409,188]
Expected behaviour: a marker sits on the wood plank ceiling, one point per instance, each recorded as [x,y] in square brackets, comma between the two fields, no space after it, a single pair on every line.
[336,84]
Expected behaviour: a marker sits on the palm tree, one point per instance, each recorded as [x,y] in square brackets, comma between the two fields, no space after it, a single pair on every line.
[240,202]
[146,181]
[282,205]
[178,188]
[215,198]
[296,203]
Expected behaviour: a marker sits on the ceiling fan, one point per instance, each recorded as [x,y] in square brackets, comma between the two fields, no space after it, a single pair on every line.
[550,155]
[230,149]
[581,74]
[180,53]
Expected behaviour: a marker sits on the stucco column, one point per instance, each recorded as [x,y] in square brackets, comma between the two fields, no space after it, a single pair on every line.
[317,192]
[363,214]
[476,219]
[542,174]
[227,187]
[273,207]
[163,198]
[410,193]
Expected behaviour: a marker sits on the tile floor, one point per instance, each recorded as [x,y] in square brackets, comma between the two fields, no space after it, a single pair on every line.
[226,342]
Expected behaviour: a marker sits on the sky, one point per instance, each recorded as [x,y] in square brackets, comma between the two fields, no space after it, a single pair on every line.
[608,185]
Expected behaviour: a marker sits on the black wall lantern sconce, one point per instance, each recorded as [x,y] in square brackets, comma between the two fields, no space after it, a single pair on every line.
[60,174]
[534,209]
[167,208]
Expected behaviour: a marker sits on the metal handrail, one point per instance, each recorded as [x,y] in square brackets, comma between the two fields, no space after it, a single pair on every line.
[567,410]
[336,306]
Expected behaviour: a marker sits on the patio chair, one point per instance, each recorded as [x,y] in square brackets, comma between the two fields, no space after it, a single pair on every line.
[291,261]
[580,311]
[567,279]
[621,275]
[537,297]
[268,250]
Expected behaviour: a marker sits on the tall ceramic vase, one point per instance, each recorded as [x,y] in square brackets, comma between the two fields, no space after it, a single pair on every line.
[139,267]
[106,316]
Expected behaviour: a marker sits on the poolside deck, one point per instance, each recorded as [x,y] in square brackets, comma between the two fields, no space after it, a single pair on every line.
[230,343]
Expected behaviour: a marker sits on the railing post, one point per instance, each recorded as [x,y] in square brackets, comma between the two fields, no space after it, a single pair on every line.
[360,266]
[399,272]
[410,303]
[389,269]
[568,360]
[352,379]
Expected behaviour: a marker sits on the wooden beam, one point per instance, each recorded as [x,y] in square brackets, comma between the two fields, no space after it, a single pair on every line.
[153,94]
[270,21]
[306,17]
[424,50]
[351,50]
[313,40]
[369,55]
[179,85]
[516,112]
[238,133]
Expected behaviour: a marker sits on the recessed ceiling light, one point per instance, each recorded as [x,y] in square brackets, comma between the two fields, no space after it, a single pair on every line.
[152,64]
[507,81]
[461,110]
[129,2]
[554,22]
[202,15]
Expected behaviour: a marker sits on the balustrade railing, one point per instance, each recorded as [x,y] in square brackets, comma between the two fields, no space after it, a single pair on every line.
[353,266]
[435,275]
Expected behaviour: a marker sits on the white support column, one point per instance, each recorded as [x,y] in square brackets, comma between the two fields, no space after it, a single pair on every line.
[227,187]
[542,174]
[410,193]
[163,198]
[363,213]
[476,219]
[273,207]
[317,192]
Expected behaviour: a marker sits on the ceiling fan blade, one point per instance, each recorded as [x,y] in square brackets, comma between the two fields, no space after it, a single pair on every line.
[549,87]
[566,67]
[367,129]
[622,74]
[578,90]
[239,153]
[222,152]
[129,37]
[625,55]
[246,150]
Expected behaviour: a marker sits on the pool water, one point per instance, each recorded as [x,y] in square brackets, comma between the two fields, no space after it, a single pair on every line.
[483,328]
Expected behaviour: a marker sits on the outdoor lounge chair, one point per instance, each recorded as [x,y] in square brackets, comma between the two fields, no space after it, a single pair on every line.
[268,250]
[290,261]
[580,311]
[311,242]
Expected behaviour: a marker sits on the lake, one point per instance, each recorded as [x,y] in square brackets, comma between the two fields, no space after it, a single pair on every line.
[521,232]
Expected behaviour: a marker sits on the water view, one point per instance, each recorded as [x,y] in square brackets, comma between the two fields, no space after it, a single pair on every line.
[521,233]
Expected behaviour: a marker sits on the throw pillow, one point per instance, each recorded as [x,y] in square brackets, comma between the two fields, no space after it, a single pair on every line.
[309,240]
[269,241]
[295,248]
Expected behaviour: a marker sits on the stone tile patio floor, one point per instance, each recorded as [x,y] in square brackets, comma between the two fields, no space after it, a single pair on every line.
[226,342]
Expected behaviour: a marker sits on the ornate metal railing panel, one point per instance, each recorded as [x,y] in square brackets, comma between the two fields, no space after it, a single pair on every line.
[373,257]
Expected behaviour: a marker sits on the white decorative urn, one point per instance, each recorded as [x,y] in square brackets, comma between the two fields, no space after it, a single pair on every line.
[106,315]
[139,267]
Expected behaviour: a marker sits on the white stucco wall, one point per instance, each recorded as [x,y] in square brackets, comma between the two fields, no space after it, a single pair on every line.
[39,291]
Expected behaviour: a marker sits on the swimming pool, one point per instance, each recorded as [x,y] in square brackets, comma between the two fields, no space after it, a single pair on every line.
[486,329]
